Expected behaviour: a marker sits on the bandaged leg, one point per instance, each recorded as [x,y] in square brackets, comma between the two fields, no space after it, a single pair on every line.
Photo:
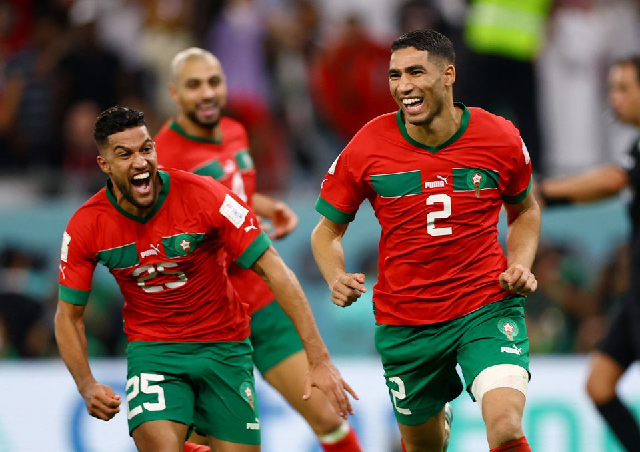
[499,376]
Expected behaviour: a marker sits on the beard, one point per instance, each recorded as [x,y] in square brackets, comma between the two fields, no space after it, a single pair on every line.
[210,125]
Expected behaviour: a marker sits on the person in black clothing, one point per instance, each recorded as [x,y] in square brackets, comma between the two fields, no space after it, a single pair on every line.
[621,345]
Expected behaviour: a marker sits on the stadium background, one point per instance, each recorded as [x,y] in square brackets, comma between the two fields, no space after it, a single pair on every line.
[301,100]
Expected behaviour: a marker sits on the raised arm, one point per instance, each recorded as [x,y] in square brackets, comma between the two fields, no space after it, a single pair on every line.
[289,295]
[523,233]
[100,399]
[326,243]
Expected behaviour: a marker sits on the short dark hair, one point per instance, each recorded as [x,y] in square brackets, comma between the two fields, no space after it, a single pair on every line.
[632,60]
[437,44]
[113,120]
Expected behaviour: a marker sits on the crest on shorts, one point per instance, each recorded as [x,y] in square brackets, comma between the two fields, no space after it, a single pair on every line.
[247,393]
[508,327]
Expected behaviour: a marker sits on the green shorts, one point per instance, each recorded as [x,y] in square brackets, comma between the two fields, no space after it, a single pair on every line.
[420,361]
[207,384]
[273,337]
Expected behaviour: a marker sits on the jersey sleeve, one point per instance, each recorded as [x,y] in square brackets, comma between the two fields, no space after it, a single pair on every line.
[519,183]
[77,264]
[341,192]
[237,227]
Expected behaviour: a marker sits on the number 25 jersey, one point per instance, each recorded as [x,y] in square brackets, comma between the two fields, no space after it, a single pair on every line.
[438,207]
[170,265]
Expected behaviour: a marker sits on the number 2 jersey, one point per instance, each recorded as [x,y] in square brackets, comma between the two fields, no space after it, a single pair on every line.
[229,162]
[171,265]
[438,207]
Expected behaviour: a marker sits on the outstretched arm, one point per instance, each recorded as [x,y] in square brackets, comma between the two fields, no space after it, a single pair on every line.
[597,184]
[289,295]
[523,233]
[326,243]
[100,400]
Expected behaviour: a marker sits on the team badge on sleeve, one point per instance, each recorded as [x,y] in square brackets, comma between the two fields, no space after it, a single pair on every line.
[64,249]
[233,211]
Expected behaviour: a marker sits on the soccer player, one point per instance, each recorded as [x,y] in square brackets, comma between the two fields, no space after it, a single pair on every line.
[437,174]
[166,236]
[621,345]
[203,141]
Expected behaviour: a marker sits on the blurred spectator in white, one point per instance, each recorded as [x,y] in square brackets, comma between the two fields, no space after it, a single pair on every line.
[584,37]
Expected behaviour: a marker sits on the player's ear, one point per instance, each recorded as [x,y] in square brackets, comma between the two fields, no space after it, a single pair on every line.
[449,74]
[173,91]
[103,164]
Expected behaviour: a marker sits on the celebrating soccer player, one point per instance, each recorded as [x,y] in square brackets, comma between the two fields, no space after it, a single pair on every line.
[437,174]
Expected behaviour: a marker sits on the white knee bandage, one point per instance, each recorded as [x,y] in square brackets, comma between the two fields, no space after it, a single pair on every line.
[499,376]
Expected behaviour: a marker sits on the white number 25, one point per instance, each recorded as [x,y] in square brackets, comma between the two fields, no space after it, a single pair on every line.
[145,382]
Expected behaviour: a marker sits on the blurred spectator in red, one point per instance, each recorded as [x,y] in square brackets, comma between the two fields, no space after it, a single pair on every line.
[16,26]
[349,80]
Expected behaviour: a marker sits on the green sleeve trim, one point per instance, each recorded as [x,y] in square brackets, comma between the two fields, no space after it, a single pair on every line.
[254,251]
[73,296]
[518,198]
[333,214]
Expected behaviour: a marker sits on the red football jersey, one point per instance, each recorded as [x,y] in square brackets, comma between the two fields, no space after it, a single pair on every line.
[438,207]
[170,265]
[229,162]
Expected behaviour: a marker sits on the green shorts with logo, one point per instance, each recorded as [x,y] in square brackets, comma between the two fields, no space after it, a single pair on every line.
[420,361]
[273,337]
[207,384]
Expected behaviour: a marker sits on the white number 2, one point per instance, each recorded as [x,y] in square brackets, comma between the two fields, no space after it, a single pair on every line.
[145,382]
[400,394]
[433,216]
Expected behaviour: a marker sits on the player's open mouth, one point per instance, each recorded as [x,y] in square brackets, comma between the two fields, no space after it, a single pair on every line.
[142,183]
[412,104]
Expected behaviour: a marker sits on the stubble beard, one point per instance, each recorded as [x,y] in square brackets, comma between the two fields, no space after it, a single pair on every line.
[193,117]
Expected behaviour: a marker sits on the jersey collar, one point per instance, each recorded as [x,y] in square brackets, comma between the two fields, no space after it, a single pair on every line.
[162,196]
[464,122]
[180,131]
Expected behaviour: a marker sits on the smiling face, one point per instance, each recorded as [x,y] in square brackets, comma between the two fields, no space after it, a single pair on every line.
[199,90]
[129,159]
[420,85]
[624,93]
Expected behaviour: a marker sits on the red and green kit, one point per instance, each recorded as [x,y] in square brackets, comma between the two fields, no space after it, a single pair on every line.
[229,162]
[438,207]
[170,265]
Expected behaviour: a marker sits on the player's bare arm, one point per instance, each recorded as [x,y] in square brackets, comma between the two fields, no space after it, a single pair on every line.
[322,373]
[326,243]
[594,185]
[523,232]
[283,219]
[101,401]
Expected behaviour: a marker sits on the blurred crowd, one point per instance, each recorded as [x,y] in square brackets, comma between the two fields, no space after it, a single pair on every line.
[303,76]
